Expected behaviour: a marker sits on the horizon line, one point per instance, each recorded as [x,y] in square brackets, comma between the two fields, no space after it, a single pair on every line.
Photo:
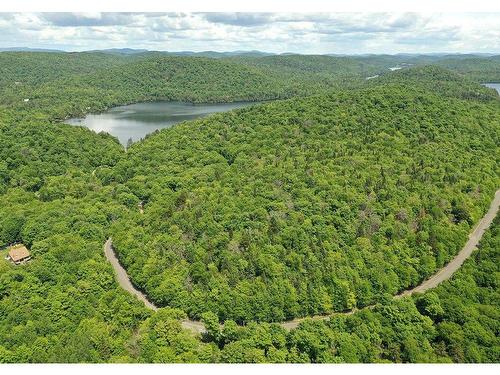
[142,50]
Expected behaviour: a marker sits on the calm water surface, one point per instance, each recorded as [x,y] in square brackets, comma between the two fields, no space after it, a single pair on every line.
[136,120]
[495,86]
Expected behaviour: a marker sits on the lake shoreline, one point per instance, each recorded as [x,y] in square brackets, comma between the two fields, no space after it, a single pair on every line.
[492,85]
[133,122]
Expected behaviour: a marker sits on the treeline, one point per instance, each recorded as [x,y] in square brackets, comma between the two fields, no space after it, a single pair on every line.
[33,152]
[438,80]
[480,69]
[150,78]
[477,68]
[34,68]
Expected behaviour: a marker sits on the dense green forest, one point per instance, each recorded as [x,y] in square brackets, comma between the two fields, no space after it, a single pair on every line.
[478,68]
[28,68]
[59,85]
[33,152]
[456,322]
[71,311]
[64,306]
[149,78]
[337,198]
[311,205]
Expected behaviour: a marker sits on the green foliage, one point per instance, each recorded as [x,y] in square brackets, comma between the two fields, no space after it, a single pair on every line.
[71,310]
[33,152]
[151,78]
[456,322]
[28,68]
[310,205]
[161,339]
[292,208]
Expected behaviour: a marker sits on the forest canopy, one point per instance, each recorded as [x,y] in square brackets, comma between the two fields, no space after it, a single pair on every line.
[312,205]
[336,198]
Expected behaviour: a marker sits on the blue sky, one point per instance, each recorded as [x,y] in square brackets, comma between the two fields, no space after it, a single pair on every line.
[347,33]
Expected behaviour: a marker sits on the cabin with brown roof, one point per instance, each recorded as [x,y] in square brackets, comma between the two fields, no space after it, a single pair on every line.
[18,254]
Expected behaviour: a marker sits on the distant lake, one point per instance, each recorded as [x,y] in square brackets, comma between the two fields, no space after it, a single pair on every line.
[495,86]
[136,120]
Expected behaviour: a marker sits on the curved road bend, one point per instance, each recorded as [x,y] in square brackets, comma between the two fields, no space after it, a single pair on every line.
[125,283]
[122,277]
[471,244]
[442,275]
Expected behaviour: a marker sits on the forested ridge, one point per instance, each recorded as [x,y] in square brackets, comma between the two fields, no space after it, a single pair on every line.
[308,206]
[28,68]
[60,85]
[311,205]
[151,78]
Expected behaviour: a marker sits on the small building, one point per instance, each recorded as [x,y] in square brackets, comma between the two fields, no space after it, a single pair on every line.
[18,254]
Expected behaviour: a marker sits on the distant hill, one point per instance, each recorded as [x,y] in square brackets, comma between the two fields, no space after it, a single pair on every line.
[32,68]
[27,49]
[136,51]
[123,51]
[213,54]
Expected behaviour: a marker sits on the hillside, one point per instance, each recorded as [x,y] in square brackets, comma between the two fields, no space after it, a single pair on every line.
[457,322]
[32,68]
[310,205]
[316,64]
[192,79]
[60,85]
[436,79]
[335,199]
[477,68]
[34,151]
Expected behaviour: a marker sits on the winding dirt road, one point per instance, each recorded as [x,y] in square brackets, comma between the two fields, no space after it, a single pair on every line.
[443,274]
[122,277]
[125,283]
[474,238]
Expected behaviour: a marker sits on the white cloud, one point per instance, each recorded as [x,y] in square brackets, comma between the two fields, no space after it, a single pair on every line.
[273,32]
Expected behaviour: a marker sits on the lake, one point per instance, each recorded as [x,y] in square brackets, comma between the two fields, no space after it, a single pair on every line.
[495,86]
[136,120]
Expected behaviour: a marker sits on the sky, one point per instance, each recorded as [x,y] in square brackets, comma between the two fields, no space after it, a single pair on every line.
[306,33]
